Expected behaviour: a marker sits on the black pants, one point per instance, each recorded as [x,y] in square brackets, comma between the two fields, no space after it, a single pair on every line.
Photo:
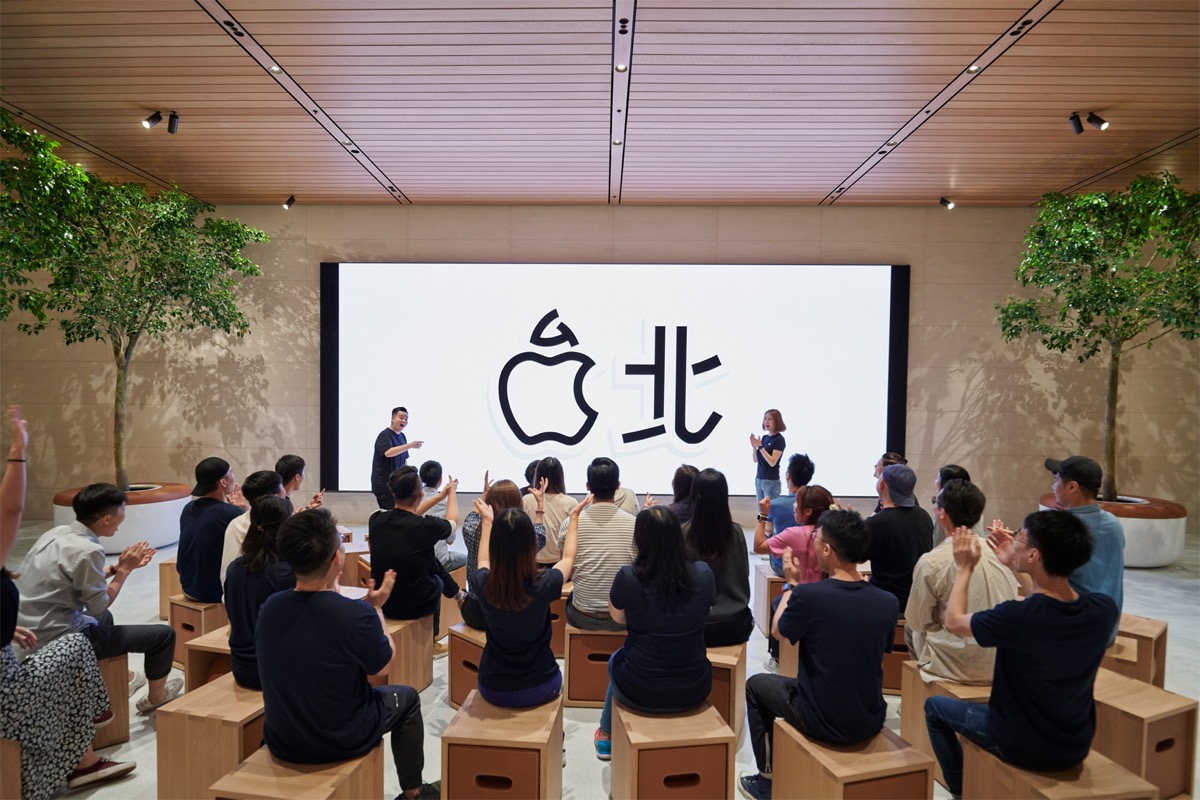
[156,641]
[735,630]
[385,499]
[472,614]
[404,722]
[769,697]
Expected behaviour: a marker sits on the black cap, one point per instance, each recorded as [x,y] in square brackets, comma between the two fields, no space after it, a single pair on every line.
[1081,469]
[209,473]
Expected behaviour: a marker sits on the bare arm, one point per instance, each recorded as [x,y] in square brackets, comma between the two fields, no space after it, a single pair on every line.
[966,556]
[760,529]
[617,614]
[483,557]
[12,486]
[377,597]
[567,563]
[133,557]
[1000,539]
[392,452]
[452,501]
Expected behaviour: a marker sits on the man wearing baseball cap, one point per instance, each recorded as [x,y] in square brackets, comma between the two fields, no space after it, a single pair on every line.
[202,527]
[900,533]
[1076,486]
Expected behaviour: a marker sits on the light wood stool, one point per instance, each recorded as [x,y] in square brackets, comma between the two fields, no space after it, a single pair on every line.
[1140,650]
[672,756]
[413,664]
[494,752]
[264,777]
[1147,730]
[204,735]
[728,693]
[1097,778]
[190,619]
[558,622]
[207,658]
[884,766]
[466,651]
[914,692]
[450,614]
[767,586]
[893,662]
[585,665]
[168,585]
[115,673]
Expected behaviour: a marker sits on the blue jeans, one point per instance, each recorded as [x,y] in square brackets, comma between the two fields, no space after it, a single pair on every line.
[766,488]
[945,717]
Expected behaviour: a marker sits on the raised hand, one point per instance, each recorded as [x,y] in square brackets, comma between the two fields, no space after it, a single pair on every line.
[377,597]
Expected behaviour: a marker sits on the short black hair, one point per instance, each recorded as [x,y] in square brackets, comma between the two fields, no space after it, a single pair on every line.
[398,409]
[952,472]
[1063,540]
[405,483]
[288,467]
[603,477]
[95,500]
[846,533]
[431,473]
[531,471]
[260,484]
[307,541]
[962,501]
[800,469]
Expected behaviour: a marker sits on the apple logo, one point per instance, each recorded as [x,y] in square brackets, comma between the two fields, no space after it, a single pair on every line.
[540,339]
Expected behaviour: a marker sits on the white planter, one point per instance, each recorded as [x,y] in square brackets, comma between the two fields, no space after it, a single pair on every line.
[151,514]
[1154,528]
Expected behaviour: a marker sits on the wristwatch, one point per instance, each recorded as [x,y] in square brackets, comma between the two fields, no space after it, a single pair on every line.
[761,518]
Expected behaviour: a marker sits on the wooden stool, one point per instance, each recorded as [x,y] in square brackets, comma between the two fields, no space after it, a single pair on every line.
[1147,730]
[204,735]
[893,662]
[362,568]
[669,756]
[767,586]
[884,766]
[466,650]
[168,585]
[115,673]
[190,619]
[585,665]
[10,769]
[1140,650]
[914,692]
[264,777]
[413,664]
[558,622]
[206,658]
[985,776]
[451,615]
[728,693]
[493,752]
[352,566]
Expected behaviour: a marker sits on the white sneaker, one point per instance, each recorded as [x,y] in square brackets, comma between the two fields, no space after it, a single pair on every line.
[771,665]
[138,681]
[174,689]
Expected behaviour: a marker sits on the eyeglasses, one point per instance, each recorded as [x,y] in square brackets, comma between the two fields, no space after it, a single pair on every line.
[1026,541]
[933,501]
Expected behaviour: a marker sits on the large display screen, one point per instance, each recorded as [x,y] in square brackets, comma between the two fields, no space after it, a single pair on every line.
[652,365]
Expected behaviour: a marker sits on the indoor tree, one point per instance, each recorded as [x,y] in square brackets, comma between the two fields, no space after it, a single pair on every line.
[109,262]
[1114,272]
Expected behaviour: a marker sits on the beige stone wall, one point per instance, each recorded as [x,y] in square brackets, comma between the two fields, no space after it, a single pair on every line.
[996,408]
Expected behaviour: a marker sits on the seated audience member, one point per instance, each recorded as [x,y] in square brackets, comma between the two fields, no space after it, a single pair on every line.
[939,653]
[63,590]
[499,496]
[402,541]
[202,527]
[780,516]
[255,575]
[258,484]
[626,500]
[52,702]
[291,471]
[530,477]
[714,538]
[809,504]
[605,545]
[431,478]
[556,506]
[316,650]
[899,534]
[681,489]
[1041,714]
[843,626]
[886,460]
[664,599]
[945,474]
[518,669]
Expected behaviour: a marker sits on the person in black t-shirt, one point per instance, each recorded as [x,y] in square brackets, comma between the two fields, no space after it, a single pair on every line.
[766,453]
[389,455]
[899,534]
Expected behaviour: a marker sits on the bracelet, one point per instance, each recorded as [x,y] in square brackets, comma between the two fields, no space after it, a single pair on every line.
[761,518]
[16,461]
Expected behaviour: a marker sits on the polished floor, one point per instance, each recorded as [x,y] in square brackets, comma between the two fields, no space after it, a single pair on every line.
[1168,593]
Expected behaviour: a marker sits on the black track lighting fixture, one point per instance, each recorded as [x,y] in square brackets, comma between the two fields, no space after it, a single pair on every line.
[173,123]
[291,201]
[1096,121]
[1076,123]
[152,120]
[948,204]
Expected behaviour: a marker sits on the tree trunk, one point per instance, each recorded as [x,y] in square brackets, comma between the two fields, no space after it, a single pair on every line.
[119,420]
[1108,486]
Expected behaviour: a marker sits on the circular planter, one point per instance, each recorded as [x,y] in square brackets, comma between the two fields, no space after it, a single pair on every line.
[1154,528]
[151,514]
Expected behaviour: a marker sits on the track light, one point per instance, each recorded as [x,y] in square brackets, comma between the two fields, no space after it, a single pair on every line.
[1076,123]
[1097,122]
[152,120]
[947,203]
[291,201]
[173,123]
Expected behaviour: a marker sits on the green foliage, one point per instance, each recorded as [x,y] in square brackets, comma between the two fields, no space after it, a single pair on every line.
[1116,269]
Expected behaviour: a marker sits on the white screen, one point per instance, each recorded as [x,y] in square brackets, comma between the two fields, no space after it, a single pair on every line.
[812,341]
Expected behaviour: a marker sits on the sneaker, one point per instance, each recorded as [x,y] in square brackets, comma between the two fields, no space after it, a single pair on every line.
[771,665]
[174,689]
[429,791]
[440,649]
[136,682]
[103,770]
[104,719]
[603,745]
[755,787]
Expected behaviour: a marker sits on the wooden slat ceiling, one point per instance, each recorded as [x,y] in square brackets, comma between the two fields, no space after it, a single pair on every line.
[518,101]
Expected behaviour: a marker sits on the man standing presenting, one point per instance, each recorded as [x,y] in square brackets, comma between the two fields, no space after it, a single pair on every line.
[391,453]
